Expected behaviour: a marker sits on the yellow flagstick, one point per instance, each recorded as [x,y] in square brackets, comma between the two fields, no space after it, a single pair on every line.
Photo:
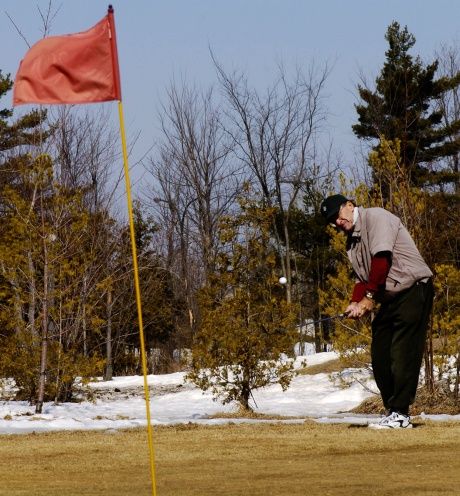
[103,91]
[138,295]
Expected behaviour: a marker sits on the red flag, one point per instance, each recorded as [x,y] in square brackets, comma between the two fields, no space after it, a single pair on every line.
[74,68]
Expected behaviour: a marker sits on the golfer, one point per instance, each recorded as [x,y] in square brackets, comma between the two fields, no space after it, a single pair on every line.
[389,270]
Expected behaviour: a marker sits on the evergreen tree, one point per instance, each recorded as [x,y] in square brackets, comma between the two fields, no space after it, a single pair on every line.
[42,264]
[247,329]
[25,131]
[312,259]
[393,190]
[160,307]
[402,106]
[446,326]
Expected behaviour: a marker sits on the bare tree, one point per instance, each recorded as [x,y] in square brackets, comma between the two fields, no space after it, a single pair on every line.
[195,185]
[85,146]
[449,103]
[275,137]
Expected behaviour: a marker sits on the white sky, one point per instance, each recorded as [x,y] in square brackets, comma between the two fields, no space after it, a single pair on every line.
[312,396]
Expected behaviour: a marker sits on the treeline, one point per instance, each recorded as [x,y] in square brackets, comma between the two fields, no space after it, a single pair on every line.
[231,204]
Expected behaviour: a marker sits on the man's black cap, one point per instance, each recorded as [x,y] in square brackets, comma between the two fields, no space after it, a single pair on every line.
[331,205]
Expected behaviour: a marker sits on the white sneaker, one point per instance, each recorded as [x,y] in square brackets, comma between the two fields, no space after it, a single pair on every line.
[393,421]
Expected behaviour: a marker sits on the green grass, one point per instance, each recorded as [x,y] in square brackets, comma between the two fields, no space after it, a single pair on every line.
[251,459]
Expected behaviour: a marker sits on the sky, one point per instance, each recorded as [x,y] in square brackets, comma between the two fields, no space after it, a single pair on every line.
[174,402]
[161,41]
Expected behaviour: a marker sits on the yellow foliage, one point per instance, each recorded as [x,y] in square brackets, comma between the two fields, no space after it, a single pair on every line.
[21,360]
[393,189]
[44,222]
[446,320]
[246,324]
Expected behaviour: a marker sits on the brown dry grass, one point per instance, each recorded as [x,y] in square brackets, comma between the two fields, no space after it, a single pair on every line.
[427,401]
[251,460]
[323,368]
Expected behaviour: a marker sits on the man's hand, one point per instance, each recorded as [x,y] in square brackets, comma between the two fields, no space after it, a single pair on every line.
[351,310]
[356,310]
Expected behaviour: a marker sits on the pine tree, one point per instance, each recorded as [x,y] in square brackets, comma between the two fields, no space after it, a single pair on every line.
[24,131]
[42,262]
[446,325]
[247,329]
[394,191]
[161,308]
[402,107]
[312,258]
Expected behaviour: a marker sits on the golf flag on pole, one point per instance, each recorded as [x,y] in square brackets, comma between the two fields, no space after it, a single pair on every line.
[83,68]
[73,68]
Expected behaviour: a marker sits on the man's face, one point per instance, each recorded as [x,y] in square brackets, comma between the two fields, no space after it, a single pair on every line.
[344,219]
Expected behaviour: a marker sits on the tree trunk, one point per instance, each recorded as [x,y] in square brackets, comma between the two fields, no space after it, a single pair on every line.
[17,307]
[457,379]
[85,343]
[109,360]
[245,391]
[32,294]
[288,261]
[44,340]
[429,365]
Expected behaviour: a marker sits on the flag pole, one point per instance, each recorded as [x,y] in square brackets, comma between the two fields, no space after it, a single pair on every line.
[43,82]
[116,72]
[138,296]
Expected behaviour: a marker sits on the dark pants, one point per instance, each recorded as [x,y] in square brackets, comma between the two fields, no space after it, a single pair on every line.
[398,342]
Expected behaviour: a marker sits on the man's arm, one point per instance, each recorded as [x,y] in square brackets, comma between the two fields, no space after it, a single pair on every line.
[362,300]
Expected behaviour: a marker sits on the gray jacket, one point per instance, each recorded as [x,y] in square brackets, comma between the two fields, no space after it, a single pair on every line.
[377,230]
